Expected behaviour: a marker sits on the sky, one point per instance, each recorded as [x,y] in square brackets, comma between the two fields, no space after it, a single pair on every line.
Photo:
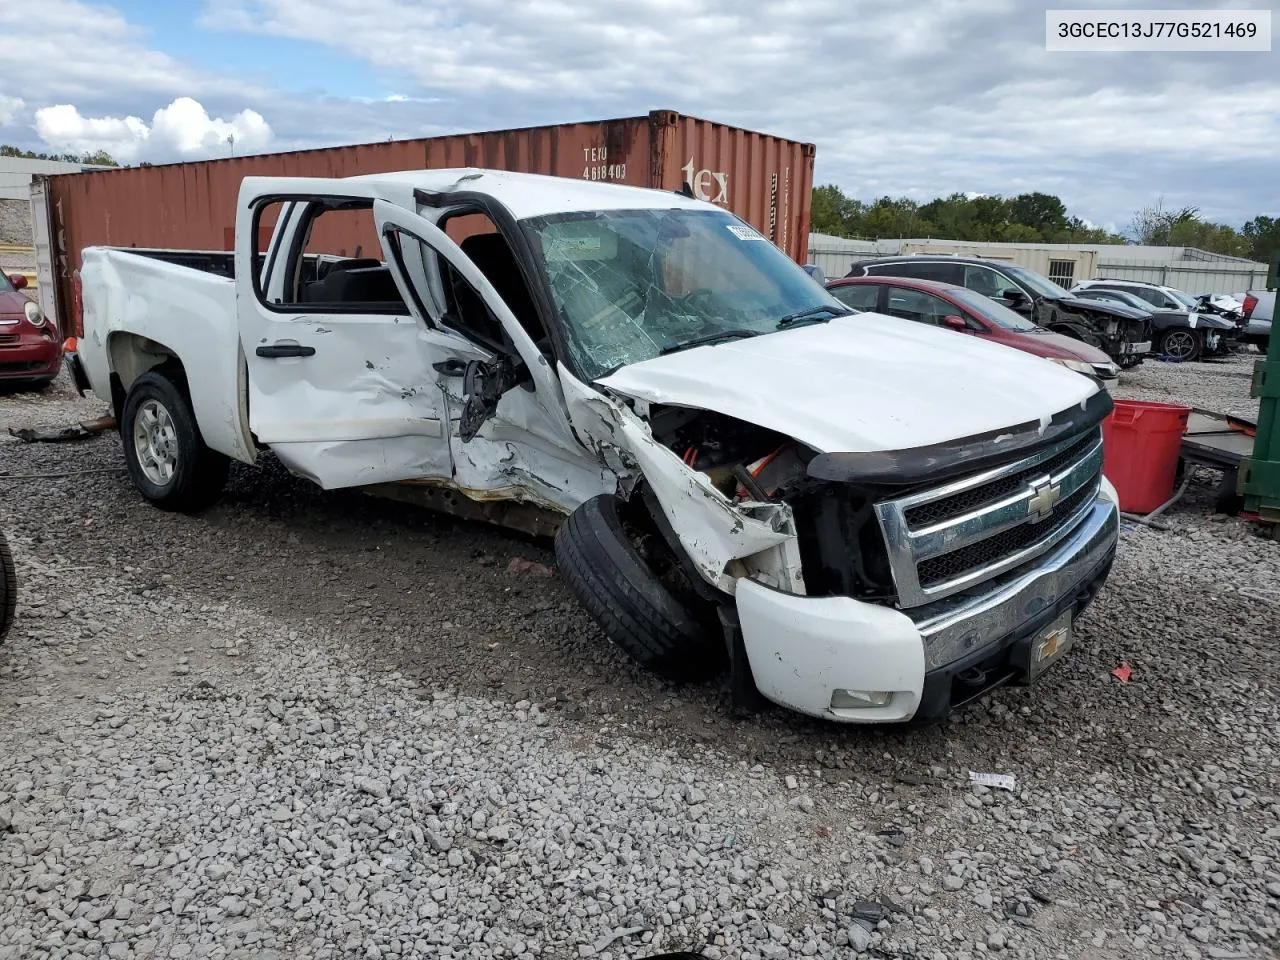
[919,99]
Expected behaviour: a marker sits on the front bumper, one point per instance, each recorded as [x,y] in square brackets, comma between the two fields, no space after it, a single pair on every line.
[1130,349]
[30,356]
[803,649]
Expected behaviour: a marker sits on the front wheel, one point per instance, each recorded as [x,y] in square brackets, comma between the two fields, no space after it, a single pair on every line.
[640,602]
[166,457]
[1180,344]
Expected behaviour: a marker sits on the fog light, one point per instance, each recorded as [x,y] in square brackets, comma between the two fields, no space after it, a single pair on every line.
[860,699]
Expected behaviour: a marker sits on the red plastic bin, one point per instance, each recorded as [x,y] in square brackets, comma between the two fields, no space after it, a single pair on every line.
[1141,441]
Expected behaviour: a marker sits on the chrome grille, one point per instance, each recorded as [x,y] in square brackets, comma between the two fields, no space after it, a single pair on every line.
[954,537]
[975,497]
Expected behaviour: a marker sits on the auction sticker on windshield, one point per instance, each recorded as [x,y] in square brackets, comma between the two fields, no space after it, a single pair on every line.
[742,233]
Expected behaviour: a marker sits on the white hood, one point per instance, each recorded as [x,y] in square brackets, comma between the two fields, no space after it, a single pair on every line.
[860,383]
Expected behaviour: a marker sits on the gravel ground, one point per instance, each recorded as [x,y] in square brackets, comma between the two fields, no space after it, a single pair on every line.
[318,725]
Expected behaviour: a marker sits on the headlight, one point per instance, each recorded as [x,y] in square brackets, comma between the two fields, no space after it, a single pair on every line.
[34,316]
[1105,370]
[1079,366]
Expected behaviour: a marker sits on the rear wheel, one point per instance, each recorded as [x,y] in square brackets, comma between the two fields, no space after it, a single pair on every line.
[640,598]
[1181,344]
[166,457]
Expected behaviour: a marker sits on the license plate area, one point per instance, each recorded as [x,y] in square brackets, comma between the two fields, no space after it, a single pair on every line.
[1050,645]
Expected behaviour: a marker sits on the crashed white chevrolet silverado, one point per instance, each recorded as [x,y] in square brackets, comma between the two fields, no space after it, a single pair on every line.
[861,518]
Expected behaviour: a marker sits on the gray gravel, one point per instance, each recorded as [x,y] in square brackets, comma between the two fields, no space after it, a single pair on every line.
[314,725]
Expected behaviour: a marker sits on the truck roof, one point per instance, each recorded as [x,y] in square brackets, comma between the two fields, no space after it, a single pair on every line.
[535,195]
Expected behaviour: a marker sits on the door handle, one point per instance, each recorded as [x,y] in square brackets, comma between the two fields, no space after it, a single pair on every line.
[453,367]
[275,350]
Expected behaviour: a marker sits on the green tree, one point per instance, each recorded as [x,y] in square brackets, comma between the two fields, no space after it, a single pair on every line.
[834,213]
[1183,227]
[1041,211]
[1263,236]
[895,217]
[101,158]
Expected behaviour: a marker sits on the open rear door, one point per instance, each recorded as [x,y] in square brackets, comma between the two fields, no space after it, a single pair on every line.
[342,378]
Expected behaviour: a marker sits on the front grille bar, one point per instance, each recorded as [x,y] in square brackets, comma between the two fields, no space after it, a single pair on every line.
[935,551]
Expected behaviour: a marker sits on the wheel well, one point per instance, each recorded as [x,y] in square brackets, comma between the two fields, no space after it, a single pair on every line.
[130,356]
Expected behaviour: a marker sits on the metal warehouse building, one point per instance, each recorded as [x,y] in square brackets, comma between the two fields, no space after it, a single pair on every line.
[1187,268]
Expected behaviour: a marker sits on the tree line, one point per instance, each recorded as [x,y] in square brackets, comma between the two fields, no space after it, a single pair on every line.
[1031,218]
[99,157]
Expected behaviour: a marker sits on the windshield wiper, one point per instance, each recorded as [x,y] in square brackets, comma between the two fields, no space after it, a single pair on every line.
[736,333]
[813,313]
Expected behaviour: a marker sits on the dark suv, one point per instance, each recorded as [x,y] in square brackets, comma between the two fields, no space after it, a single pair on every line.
[1123,332]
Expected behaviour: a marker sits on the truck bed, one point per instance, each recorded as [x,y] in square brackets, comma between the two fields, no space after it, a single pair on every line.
[222,263]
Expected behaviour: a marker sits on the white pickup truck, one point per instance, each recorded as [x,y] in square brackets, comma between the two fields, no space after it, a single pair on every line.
[862,518]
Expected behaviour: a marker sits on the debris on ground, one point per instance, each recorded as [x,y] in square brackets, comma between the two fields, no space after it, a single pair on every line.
[1123,672]
[1000,781]
[530,567]
[80,431]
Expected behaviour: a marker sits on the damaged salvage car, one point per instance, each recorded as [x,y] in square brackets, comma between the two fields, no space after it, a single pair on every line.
[739,472]
[1121,332]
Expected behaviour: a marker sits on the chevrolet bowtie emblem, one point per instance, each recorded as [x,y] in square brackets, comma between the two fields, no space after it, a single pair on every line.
[1044,497]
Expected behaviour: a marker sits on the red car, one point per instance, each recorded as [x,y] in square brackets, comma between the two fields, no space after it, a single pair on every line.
[29,349]
[967,311]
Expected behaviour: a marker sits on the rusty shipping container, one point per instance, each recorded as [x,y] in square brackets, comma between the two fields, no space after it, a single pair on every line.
[764,179]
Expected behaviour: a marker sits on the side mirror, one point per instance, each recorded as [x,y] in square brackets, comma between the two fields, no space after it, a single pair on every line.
[955,322]
[1012,294]
[18,280]
[483,384]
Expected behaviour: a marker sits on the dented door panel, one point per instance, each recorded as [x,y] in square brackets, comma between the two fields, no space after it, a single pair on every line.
[361,404]
[525,451]
[364,408]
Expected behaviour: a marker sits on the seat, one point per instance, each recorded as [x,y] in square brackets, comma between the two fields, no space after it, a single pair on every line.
[359,285]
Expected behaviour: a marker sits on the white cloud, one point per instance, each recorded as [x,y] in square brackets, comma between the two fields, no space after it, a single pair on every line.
[925,100]
[182,130]
[10,109]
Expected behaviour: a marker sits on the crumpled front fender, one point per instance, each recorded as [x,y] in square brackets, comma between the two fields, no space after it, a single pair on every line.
[713,530]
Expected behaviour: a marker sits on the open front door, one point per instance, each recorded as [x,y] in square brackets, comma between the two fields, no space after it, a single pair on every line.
[509,434]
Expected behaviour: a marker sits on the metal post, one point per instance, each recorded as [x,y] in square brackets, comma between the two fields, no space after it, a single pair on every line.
[1260,474]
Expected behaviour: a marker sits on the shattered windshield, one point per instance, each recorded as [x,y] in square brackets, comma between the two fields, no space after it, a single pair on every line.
[628,284]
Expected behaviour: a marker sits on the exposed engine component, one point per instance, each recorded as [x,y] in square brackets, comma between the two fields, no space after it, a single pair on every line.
[721,447]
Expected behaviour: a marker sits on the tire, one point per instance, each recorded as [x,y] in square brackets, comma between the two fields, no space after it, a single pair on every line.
[1180,343]
[659,627]
[8,587]
[174,470]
